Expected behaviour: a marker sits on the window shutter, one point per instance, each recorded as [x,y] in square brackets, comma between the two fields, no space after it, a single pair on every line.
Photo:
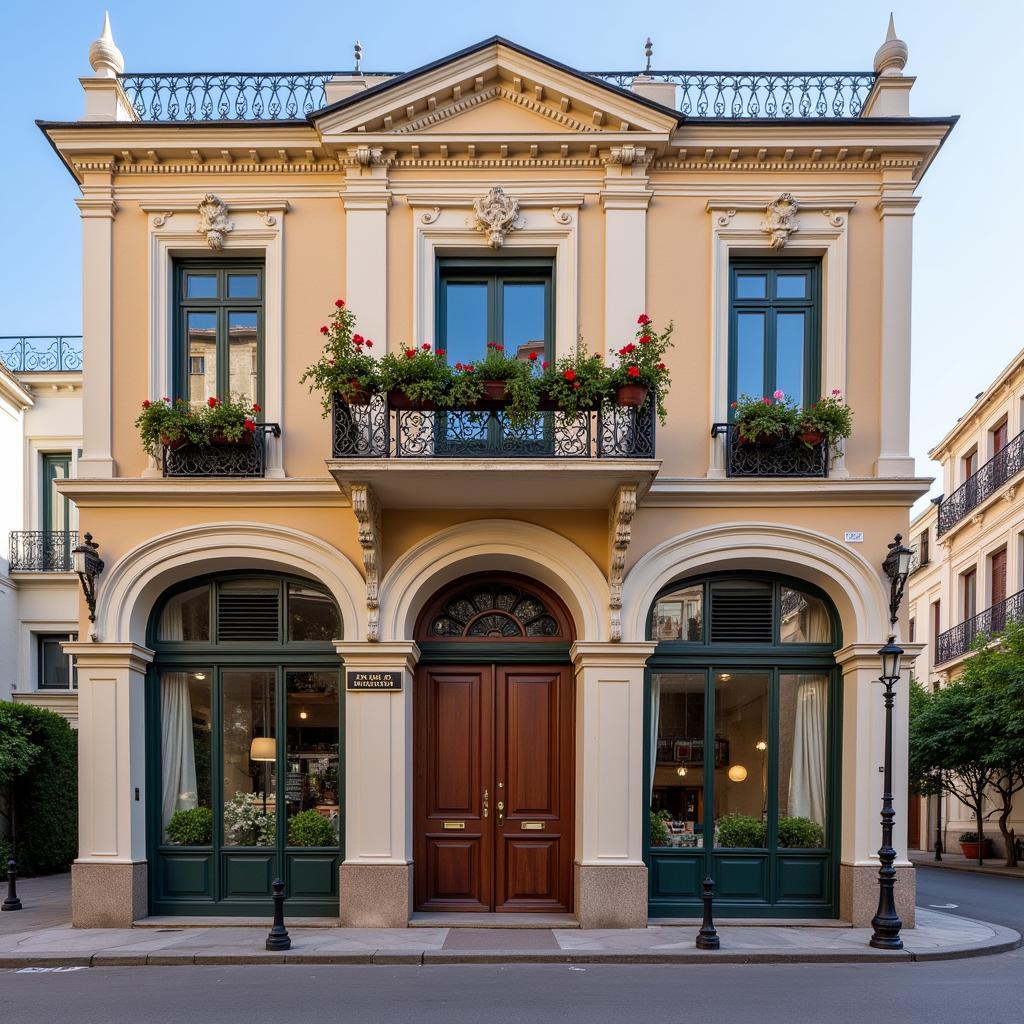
[248,615]
[741,612]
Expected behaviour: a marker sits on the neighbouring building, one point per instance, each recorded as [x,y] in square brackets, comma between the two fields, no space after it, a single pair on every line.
[968,578]
[574,667]
[40,441]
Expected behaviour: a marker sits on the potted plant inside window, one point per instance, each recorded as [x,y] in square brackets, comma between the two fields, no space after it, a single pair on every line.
[829,419]
[164,422]
[575,384]
[497,381]
[642,371]
[765,421]
[416,378]
[345,368]
[975,847]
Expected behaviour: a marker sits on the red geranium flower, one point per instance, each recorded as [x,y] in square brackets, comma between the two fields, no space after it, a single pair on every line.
[533,357]
[410,353]
[643,318]
[166,399]
[662,366]
[369,344]
[248,424]
[425,347]
[256,407]
[645,339]
[212,402]
[499,348]
[576,386]
[340,303]
[357,339]
[570,374]
[440,352]
[732,406]
[468,368]
[146,403]
[544,365]
[633,371]
[324,330]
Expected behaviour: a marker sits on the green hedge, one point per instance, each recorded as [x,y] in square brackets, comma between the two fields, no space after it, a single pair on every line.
[46,795]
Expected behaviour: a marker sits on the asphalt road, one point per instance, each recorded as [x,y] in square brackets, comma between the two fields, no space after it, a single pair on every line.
[983,989]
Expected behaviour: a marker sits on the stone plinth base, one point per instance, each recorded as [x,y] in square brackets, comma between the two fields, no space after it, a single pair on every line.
[375,895]
[108,895]
[858,893]
[611,895]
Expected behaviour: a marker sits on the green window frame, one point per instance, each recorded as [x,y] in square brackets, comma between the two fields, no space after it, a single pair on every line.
[217,277]
[772,308]
[56,509]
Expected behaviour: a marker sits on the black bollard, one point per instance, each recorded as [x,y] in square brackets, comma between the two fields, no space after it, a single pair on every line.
[12,902]
[278,937]
[707,937]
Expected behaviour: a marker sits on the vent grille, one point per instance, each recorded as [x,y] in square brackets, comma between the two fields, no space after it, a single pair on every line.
[741,613]
[247,615]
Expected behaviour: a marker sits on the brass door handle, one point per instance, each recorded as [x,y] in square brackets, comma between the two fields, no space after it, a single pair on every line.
[501,811]
[486,811]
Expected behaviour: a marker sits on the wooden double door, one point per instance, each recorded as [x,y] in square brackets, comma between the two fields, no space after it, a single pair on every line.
[493,789]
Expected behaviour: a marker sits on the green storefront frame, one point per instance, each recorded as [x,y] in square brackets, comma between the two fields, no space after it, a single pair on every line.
[769,882]
[221,879]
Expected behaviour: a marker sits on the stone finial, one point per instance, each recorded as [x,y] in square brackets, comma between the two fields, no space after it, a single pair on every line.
[648,53]
[104,56]
[358,51]
[891,57]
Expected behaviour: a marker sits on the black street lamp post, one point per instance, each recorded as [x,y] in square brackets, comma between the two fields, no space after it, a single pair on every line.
[938,822]
[886,923]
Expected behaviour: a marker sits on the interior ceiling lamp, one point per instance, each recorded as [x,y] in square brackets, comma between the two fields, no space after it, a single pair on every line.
[737,773]
[681,771]
[264,748]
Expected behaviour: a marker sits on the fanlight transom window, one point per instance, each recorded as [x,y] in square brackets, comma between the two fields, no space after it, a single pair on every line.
[494,611]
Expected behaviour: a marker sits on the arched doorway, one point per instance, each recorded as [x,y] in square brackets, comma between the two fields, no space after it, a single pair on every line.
[244,746]
[742,771]
[493,749]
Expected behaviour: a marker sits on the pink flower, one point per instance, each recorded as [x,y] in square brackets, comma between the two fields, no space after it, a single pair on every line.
[779,395]
[165,399]
[836,392]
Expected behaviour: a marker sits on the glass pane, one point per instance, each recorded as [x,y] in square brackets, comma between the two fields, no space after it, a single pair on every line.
[789,354]
[186,744]
[741,759]
[200,286]
[791,286]
[186,616]
[202,344]
[54,664]
[466,321]
[750,354]
[677,758]
[751,286]
[250,752]
[678,616]
[804,619]
[243,286]
[523,316]
[803,750]
[56,504]
[312,614]
[313,786]
[242,356]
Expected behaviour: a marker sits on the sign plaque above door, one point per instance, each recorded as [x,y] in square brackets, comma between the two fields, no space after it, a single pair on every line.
[373,681]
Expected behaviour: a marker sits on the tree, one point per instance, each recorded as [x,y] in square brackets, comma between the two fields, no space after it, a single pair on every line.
[997,673]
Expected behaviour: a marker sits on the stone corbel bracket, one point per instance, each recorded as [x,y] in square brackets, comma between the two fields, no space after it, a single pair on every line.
[495,215]
[366,508]
[780,219]
[620,532]
[213,221]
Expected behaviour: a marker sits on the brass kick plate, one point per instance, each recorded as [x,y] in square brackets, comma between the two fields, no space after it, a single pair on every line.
[534,826]
[454,824]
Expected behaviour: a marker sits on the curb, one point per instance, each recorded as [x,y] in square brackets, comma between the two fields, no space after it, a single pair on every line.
[992,872]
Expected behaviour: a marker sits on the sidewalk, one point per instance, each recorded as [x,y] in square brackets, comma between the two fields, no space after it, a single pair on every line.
[958,862]
[29,938]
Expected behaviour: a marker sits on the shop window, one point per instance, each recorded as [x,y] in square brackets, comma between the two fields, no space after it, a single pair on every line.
[57,670]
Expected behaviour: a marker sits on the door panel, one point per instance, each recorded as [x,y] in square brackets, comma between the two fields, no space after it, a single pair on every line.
[453,737]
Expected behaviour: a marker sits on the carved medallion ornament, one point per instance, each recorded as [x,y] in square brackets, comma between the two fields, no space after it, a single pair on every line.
[495,215]
[213,221]
[780,219]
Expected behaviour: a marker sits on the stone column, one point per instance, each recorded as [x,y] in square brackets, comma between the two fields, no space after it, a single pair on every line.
[367,201]
[863,757]
[376,877]
[109,877]
[610,877]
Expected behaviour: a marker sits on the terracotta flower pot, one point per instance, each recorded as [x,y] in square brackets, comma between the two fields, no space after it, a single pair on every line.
[357,395]
[632,395]
[398,399]
[971,850]
[767,440]
[811,437]
[174,445]
[495,390]
[218,437]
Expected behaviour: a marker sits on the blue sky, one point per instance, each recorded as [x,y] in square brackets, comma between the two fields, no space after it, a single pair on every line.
[967,263]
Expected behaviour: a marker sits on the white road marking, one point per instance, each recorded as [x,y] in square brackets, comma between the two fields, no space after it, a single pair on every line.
[50,970]
[943,906]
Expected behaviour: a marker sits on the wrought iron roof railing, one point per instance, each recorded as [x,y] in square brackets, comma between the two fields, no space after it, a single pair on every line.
[1006,463]
[183,96]
[42,550]
[956,642]
[41,353]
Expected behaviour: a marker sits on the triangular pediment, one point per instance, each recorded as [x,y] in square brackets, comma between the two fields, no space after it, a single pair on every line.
[493,88]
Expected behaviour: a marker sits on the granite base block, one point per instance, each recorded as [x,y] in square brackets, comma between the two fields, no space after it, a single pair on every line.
[108,895]
[858,893]
[611,895]
[375,895]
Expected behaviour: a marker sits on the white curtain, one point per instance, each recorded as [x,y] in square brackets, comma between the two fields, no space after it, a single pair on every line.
[655,714]
[807,777]
[817,626]
[179,789]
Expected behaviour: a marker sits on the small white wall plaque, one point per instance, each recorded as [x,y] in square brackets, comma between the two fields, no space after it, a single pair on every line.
[854,536]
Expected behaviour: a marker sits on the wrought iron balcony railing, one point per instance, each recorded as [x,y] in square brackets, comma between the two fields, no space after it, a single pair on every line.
[377,431]
[181,96]
[1006,463]
[41,353]
[786,458]
[956,642]
[42,550]
[221,460]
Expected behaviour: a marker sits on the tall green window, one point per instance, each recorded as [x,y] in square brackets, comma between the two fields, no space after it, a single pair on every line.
[743,748]
[774,329]
[508,301]
[218,345]
[244,749]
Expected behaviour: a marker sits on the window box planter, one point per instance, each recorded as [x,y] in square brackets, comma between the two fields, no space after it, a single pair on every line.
[631,395]
[495,391]
[811,437]
[398,399]
[243,458]
[218,437]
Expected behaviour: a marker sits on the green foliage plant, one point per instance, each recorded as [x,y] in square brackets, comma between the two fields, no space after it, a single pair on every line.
[345,367]
[759,419]
[659,827]
[192,827]
[741,830]
[576,383]
[642,361]
[468,385]
[309,828]
[164,422]
[801,834]
[420,372]
[830,416]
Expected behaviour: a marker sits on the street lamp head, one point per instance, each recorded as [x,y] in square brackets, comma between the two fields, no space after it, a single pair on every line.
[897,567]
[892,658]
[88,565]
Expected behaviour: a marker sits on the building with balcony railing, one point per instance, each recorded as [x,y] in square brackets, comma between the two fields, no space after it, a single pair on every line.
[414,577]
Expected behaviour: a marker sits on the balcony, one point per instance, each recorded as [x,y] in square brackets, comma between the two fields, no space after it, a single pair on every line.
[1005,464]
[789,458]
[465,458]
[42,550]
[41,353]
[220,460]
[957,642]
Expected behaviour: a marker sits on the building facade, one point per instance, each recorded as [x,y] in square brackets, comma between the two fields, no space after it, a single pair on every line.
[40,441]
[574,668]
[969,575]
